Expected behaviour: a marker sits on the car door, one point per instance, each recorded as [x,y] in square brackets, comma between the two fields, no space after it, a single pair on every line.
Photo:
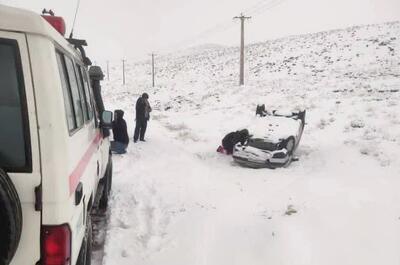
[19,140]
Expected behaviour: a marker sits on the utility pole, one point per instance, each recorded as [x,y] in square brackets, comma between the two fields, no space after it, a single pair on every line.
[242,20]
[152,68]
[123,71]
[108,70]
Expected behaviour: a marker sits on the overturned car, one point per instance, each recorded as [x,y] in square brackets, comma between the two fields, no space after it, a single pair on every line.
[275,137]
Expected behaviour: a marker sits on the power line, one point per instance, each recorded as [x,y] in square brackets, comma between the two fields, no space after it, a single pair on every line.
[218,28]
[221,27]
[268,7]
[256,6]
[254,10]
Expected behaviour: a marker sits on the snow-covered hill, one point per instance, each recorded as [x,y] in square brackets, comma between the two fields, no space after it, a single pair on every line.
[176,201]
[351,75]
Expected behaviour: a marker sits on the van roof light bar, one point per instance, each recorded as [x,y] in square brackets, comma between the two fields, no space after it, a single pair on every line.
[56,22]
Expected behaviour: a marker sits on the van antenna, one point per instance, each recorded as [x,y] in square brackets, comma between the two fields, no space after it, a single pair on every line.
[76,13]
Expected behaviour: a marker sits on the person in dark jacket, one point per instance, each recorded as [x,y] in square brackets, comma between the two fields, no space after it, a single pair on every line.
[233,138]
[143,110]
[120,132]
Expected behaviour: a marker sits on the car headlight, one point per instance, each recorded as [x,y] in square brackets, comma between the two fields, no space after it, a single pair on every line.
[279,155]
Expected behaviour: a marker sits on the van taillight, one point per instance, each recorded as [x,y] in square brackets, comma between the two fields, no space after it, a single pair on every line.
[56,245]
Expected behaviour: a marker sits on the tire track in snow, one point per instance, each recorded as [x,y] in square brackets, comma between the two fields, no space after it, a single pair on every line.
[138,217]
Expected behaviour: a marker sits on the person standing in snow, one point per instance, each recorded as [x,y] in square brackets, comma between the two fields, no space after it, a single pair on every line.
[120,132]
[233,138]
[143,110]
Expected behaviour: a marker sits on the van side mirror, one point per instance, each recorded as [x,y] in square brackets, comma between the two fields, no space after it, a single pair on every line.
[106,119]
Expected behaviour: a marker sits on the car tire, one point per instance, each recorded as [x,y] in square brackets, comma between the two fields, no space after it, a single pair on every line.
[10,219]
[85,254]
[106,182]
[290,144]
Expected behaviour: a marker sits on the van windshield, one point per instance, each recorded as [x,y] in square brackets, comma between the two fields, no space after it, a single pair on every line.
[13,155]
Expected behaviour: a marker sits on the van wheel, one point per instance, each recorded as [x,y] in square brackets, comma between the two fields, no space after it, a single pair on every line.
[107,182]
[110,173]
[10,219]
[85,254]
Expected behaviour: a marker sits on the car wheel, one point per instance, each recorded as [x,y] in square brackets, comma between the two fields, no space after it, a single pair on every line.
[290,144]
[10,219]
[85,254]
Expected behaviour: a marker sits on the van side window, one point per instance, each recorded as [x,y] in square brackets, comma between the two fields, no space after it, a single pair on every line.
[14,133]
[76,99]
[87,93]
[84,79]
[69,109]
[82,92]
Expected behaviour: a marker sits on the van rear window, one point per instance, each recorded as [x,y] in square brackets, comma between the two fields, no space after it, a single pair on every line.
[14,133]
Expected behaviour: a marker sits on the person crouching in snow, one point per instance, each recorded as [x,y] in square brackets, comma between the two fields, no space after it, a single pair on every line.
[231,139]
[143,110]
[120,132]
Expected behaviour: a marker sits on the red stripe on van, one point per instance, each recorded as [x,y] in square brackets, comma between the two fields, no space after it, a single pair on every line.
[76,175]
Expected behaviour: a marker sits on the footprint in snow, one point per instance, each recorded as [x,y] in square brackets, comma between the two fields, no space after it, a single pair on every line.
[122,224]
[124,254]
[290,210]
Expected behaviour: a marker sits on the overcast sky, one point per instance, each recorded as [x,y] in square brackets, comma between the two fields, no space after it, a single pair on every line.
[134,28]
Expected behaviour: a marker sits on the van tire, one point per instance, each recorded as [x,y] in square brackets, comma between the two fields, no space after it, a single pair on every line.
[10,219]
[106,182]
[85,254]
[110,173]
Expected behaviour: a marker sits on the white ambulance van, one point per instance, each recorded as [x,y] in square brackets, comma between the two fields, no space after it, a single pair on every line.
[55,162]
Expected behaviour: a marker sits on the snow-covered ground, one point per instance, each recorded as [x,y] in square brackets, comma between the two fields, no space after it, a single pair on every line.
[176,201]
